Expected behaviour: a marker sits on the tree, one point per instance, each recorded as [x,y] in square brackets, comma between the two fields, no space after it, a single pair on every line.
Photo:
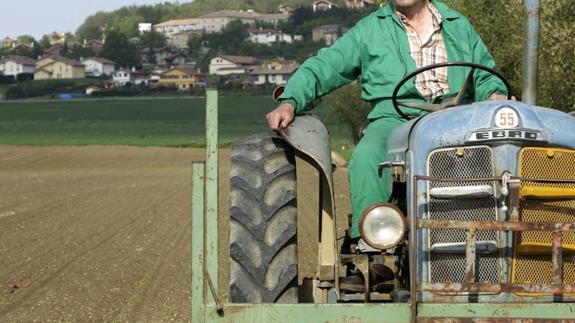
[118,49]
[350,109]
[26,39]
[152,39]
[229,40]
[45,42]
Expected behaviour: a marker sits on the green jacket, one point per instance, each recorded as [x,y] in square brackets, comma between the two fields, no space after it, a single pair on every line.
[377,49]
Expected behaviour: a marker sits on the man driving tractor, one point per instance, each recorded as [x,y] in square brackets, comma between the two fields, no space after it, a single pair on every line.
[381,49]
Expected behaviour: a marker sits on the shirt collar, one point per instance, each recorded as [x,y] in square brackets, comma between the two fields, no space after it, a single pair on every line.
[436,15]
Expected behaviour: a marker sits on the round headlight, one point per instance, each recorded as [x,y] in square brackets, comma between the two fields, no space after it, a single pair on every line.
[382,226]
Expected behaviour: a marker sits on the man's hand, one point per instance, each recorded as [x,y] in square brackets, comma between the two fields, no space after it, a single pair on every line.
[499,96]
[281,117]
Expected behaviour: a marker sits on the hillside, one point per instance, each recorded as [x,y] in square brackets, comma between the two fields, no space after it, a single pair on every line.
[126,19]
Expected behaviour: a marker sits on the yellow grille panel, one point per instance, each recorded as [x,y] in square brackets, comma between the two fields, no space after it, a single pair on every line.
[532,257]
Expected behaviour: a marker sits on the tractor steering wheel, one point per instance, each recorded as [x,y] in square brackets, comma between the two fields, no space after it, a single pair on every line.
[449,102]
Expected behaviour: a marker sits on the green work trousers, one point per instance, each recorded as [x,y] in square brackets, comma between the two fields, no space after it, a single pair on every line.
[366,187]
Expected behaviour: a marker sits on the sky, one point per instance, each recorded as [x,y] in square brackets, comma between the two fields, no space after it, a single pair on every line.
[39,17]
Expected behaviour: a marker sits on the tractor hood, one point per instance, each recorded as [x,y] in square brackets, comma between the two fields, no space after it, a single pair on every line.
[487,122]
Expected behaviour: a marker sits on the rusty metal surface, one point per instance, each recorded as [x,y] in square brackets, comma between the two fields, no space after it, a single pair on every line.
[495,225]
[557,288]
[483,179]
[496,288]
[470,253]
[557,256]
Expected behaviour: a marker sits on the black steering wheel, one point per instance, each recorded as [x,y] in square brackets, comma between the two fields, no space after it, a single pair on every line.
[451,101]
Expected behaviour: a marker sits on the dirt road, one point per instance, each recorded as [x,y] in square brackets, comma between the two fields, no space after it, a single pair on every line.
[103,233]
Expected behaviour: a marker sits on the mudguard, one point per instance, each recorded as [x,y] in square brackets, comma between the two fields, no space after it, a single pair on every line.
[310,138]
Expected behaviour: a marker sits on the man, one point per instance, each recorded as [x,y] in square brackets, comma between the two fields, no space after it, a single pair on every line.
[381,49]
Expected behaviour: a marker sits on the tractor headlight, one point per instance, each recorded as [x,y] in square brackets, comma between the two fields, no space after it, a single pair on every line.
[382,226]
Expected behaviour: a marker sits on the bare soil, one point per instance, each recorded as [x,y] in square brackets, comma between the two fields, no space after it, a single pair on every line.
[103,233]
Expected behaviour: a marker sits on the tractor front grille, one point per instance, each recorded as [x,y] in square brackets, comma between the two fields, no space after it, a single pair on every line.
[462,162]
[532,256]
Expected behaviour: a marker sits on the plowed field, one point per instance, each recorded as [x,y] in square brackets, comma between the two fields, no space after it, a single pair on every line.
[103,233]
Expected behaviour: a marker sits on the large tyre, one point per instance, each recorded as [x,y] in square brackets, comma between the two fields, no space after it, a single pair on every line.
[263,221]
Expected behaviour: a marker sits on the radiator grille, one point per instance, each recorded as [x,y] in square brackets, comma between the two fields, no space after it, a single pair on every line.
[548,164]
[468,162]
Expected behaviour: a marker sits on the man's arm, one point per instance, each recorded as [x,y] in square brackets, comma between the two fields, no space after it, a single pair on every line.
[487,86]
[332,68]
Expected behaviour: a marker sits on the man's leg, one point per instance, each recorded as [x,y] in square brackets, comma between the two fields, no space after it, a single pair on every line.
[365,186]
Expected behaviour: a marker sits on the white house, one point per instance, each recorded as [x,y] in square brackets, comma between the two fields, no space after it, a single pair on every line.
[122,77]
[358,4]
[16,65]
[269,36]
[176,26]
[277,72]
[230,64]
[319,5]
[214,22]
[98,66]
[144,27]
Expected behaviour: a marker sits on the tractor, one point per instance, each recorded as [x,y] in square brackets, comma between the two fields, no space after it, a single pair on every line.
[480,223]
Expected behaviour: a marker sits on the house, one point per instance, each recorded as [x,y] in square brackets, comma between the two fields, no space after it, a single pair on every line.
[216,21]
[180,40]
[94,45]
[319,5]
[328,33]
[144,27]
[155,77]
[180,77]
[98,66]
[16,65]
[285,8]
[231,64]
[20,47]
[269,36]
[56,50]
[45,60]
[56,38]
[277,72]
[7,42]
[162,57]
[358,4]
[122,77]
[176,26]
[60,68]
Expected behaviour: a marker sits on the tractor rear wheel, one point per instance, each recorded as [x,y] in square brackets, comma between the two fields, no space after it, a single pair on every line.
[263,221]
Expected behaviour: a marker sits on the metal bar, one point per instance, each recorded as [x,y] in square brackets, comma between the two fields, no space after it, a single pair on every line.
[495,225]
[365,313]
[211,182]
[492,311]
[413,256]
[531,52]
[197,291]
[490,179]
[514,199]
[470,251]
[303,313]
[557,258]
[496,288]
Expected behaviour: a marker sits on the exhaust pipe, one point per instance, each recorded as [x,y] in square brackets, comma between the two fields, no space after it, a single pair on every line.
[531,52]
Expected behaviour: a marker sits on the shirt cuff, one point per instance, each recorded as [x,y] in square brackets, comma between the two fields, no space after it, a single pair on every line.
[290,101]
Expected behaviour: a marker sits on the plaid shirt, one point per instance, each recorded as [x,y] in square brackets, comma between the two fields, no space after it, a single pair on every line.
[432,83]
